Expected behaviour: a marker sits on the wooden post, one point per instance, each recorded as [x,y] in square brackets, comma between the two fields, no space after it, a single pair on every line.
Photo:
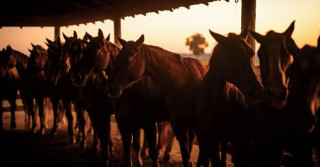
[56,32]
[248,18]
[117,30]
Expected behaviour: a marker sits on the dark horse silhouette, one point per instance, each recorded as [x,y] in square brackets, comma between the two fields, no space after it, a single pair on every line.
[95,102]
[38,86]
[174,77]
[60,76]
[13,65]
[283,120]
[95,64]
[222,104]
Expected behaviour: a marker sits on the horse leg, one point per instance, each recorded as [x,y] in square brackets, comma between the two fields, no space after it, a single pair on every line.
[203,158]
[303,155]
[145,149]
[192,135]
[26,112]
[41,115]
[183,139]
[101,123]
[111,148]
[81,123]
[151,133]
[167,152]
[136,145]
[31,111]
[240,156]
[55,102]
[223,154]
[95,144]
[67,105]
[213,152]
[13,105]
[161,131]
[126,135]
[90,130]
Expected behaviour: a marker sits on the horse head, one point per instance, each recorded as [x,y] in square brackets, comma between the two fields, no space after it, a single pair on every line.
[73,51]
[8,60]
[274,60]
[56,68]
[96,58]
[232,58]
[127,67]
[304,88]
[37,63]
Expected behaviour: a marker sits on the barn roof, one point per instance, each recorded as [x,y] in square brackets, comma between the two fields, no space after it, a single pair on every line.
[75,12]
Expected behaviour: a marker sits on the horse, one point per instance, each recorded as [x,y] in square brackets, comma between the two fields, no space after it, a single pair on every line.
[224,98]
[13,64]
[126,108]
[37,86]
[303,103]
[60,76]
[175,78]
[88,96]
[306,98]
[281,116]
[165,142]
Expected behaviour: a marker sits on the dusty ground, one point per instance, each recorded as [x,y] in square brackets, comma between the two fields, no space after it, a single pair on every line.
[20,148]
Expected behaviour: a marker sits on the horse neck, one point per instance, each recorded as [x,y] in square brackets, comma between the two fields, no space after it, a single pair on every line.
[217,78]
[22,60]
[164,67]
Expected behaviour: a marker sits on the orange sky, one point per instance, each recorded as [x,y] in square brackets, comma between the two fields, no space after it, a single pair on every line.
[170,29]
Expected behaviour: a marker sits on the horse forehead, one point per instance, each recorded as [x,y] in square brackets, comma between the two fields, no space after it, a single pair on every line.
[130,45]
[274,37]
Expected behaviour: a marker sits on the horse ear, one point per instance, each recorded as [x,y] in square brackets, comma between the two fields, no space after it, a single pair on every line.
[49,41]
[88,36]
[9,49]
[49,46]
[65,37]
[108,38]
[122,41]
[292,47]
[33,45]
[217,37]
[59,41]
[257,36]
[289,30]
[75,35]
[100,34]
[244,34]
[30,50]
[140,41]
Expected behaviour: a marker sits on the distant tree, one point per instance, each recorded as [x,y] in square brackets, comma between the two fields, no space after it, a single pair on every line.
[197,43]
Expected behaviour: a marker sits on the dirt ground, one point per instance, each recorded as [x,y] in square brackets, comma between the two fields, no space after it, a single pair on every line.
[20,148]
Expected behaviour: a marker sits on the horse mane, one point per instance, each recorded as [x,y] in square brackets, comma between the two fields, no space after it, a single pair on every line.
[196,68]
[22,60]
[232,91]
[20,56]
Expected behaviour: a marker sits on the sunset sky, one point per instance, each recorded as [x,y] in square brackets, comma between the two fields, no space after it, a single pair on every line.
[170,29]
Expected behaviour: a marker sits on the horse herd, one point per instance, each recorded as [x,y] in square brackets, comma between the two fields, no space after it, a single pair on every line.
[258,111]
